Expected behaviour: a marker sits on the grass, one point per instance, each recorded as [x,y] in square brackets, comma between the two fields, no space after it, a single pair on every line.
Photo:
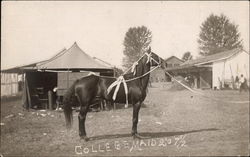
[207,127]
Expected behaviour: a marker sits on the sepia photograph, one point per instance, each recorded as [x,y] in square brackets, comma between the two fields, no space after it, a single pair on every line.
[124,78]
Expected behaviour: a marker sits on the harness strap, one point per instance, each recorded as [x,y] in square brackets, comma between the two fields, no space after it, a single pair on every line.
[143,74]
[121,79]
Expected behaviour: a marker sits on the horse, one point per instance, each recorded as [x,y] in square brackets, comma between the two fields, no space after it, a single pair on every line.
[86,89]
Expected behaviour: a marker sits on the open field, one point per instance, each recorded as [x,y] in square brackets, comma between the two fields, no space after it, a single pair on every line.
[177,122]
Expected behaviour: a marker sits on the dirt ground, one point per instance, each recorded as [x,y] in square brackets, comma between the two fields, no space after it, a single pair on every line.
[176,123]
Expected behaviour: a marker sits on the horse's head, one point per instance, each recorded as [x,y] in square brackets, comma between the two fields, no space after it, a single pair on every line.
[146,61]
[153,59]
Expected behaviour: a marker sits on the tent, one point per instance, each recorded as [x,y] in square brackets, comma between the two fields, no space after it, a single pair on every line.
[58,72]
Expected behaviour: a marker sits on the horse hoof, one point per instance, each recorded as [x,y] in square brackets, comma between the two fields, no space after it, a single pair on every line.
[84,138]
[137,136]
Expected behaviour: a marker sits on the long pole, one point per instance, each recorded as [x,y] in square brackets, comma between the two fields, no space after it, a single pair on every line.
[232,77]
[68,79]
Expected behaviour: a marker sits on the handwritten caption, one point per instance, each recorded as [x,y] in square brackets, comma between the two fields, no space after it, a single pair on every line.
[135,145]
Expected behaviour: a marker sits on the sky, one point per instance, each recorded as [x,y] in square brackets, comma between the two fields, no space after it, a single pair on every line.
[34,30]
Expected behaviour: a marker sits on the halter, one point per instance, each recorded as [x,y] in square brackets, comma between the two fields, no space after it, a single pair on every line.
[121,79]
[149,60]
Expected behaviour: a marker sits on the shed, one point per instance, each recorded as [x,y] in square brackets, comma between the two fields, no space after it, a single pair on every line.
[216,71]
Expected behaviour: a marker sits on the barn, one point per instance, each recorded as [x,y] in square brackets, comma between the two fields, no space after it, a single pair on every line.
[216,71]
[46,80]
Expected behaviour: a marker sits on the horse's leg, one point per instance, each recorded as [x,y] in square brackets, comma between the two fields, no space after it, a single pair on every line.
[102,104]
[81,119]
[136,109]
[84,106]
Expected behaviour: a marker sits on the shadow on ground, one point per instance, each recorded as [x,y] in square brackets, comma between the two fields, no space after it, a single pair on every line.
[150,134]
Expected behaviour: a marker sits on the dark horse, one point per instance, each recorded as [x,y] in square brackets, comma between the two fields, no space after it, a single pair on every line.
[86,89]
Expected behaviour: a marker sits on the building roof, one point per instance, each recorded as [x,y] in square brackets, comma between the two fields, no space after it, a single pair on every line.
[72,58]
[103,62]
[169,58]
[212,58]
[207,59]
[30,66]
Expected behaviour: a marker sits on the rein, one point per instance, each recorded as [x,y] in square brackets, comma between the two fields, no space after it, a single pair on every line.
[121,79]
[138,77]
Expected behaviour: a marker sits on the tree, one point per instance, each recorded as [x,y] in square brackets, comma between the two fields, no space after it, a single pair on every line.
[118,71]
[136,42]
[218,34]
[187,56]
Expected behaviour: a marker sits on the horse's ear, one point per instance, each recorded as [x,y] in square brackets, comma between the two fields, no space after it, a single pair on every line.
[149,49]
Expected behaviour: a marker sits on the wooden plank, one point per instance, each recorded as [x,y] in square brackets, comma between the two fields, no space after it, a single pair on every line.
[50,100]
[28,93]
[24,96]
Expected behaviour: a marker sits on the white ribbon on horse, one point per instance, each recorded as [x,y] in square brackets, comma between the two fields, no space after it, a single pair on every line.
[133,70]
[117,83]
[91,73]
[149,57]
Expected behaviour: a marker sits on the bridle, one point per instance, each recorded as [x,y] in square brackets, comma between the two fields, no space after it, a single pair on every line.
[150,59]
[122,80]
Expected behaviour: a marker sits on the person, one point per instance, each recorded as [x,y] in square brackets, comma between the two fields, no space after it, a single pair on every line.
[237,82]
[57,98]
[242,82]
[219,83]
[190,80]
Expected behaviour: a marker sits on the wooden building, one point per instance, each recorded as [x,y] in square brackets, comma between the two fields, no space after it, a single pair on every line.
[216,71]
[159,74]
[173,61]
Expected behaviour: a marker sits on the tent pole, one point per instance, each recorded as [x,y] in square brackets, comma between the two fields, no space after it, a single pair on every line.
[16,82]
[68,79]
[223,75]
[11,85]
[246,70]
[232,77]
[28,92]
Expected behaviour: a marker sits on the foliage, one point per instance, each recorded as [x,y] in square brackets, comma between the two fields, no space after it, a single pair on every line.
[136,42]
[218,34]
[118,71]
[187,56]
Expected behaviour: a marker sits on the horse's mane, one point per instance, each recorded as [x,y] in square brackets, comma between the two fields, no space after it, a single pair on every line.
[129,76]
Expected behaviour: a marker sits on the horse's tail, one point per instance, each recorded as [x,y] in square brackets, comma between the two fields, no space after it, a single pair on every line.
[68,100]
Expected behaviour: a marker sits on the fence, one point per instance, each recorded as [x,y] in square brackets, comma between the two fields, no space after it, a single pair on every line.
[9,84]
